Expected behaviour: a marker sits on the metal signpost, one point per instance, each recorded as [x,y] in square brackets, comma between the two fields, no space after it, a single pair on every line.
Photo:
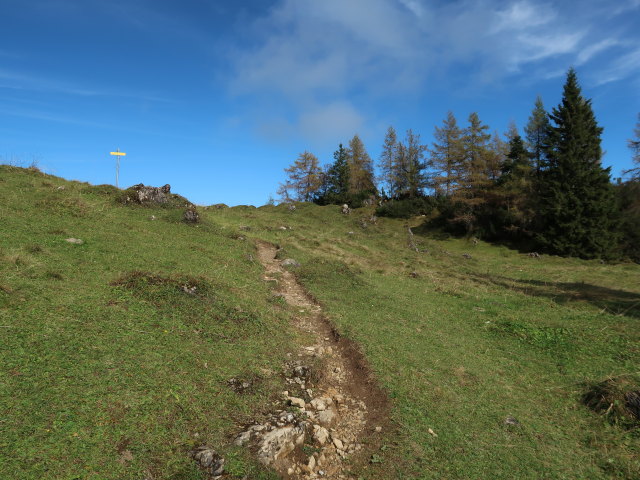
[117,154]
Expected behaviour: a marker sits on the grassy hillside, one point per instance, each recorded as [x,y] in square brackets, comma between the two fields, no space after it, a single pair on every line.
[111,369]
[466,345]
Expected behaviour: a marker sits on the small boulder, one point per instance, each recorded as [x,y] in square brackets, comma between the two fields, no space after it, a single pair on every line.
[290,262]
[321,435]
[75,241]
[279,443]
[511,420]
[345,209]
[209,461]
[327,417]
[191,216]
[297,402]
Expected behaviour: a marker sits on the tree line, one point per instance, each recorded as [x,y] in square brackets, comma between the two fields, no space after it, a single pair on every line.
[545,190]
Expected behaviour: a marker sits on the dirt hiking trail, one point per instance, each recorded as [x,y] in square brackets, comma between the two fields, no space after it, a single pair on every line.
[332,409]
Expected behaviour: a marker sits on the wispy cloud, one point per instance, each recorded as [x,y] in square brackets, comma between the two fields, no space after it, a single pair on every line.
[620,68]
[308,55]
[21,81]
[591,51]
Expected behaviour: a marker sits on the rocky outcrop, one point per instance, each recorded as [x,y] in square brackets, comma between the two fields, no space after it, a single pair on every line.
[149,195]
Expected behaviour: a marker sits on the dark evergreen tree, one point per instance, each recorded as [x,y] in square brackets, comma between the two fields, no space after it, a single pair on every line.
[335,184]
[634,145]
[412,168]
[515,191]
[576,203]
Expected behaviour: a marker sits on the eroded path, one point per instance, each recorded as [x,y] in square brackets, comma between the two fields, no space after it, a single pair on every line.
[332,408]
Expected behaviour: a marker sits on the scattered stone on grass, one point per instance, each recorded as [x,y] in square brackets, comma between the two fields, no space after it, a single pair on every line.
[191,215]
[511,420]
[75,241]
[290,262]
[209,461]
[345,209]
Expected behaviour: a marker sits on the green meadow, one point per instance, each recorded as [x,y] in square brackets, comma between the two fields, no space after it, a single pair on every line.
[497,364]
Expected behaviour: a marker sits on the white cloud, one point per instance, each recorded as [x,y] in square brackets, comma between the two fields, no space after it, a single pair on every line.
[522,15]
[330,123]
[592,50]
[621,68]
[311,58]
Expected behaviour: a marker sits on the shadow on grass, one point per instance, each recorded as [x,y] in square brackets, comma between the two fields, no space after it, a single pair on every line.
[616,302]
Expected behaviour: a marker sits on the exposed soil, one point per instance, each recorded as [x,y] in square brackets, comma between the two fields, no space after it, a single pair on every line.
[344,409]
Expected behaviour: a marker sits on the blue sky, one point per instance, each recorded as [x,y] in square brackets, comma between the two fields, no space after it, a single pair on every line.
[218,97]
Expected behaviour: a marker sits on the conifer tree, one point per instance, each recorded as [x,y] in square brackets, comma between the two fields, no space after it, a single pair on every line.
[335,184]
[412,166]
[447,155]
[304,179]
[536,132]
[387,162]
[634,145]
[473,179]
[361,179]
[576,204]
[515,188]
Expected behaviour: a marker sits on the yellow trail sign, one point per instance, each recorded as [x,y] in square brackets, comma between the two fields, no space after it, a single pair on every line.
[120,154]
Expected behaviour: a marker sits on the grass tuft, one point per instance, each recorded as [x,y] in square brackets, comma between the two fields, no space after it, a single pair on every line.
[615,398]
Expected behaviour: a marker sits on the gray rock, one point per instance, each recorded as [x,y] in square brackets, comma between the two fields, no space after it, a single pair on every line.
[297,402]
[345,209]
[242,439]
[511,420]
[191,216]
[279,443]
[290,262]
[75,241]
[150,195]
[321,435]
[327,417]
[209,460]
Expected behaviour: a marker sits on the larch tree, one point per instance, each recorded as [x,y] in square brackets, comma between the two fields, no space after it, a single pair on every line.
[576,203]
[473,179]
[536,134]
[304,179]
[361,179]
[447,155]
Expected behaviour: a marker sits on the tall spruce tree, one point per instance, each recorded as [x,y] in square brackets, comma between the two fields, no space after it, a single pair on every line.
[388,155]
[515,189]
[447,154]
[576,203]
[634,145]
[412,168]
[536,133]
[335,180]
